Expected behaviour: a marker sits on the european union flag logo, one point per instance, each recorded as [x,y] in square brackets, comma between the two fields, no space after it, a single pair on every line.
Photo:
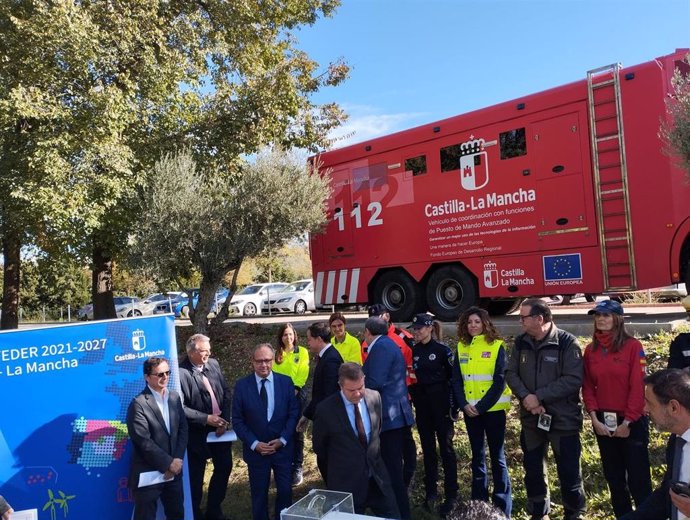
[562,267]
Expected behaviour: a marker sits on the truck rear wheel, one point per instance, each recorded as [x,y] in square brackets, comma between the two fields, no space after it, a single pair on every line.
[399,293]
[503,307]
[450,290]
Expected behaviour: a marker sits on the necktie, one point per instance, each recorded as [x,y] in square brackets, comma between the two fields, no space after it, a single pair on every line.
[264,395]
[214,402]
[677,461]
[359,424]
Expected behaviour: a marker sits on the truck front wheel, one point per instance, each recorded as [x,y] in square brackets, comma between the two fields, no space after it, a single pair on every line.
[399,293]
[450,290]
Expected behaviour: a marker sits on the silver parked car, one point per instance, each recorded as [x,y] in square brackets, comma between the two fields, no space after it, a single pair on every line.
[125,307]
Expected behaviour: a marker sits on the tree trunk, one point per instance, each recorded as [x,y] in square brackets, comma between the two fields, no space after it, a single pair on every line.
[207,291]
[102,284]
[11,247]
[224,310]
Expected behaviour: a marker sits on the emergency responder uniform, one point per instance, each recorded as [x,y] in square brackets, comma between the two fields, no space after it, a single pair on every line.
[295,365]
[679,351]
[431,395]
[482,367]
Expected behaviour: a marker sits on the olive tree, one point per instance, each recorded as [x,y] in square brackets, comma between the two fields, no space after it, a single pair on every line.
[213,222]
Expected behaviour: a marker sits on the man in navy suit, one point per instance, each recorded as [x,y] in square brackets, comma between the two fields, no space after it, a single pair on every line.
[158,429]
[325,382]
[264,415]
[385,371]
[667,401]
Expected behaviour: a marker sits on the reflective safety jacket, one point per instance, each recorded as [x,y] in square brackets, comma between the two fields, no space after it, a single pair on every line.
[482,366]
[295,365]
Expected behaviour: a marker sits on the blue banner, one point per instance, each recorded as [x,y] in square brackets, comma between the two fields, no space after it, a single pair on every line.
[64,448]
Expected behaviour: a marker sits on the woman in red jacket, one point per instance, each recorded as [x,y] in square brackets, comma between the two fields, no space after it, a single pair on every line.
[613,391]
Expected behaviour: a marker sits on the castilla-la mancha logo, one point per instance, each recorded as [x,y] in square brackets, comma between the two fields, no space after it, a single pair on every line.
[490,275]
[474,164]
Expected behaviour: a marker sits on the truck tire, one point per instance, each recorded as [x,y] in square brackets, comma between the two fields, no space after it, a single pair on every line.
[450,290]
[399,293]
[503,307]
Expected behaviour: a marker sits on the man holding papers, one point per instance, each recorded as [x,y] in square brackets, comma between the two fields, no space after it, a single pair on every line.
[208,406]
[158,430]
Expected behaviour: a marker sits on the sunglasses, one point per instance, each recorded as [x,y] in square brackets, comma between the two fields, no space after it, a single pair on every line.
[161,375]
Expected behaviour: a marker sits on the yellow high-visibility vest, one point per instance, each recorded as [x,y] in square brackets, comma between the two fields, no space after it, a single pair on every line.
[477,365]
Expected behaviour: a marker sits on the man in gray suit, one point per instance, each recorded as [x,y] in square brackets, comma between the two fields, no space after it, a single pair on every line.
[346,435]
[158,429]
[208,407]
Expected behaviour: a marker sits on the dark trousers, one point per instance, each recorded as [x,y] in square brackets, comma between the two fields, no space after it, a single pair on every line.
[626,467]
[383,505]
[298,437]
[221,455]
[567,450]
[433,423]
[391,442]
[171,495]
[260,481]
[491,425]
[409,452]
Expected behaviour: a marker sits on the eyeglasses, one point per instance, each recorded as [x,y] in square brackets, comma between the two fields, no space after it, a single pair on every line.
[161,375]
[263,361]
[523,317]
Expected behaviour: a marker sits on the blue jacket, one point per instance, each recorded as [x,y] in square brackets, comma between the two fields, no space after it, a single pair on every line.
[385,372]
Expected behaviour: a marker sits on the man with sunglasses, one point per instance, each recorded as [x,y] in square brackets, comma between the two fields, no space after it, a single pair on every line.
[158,428]
[545,373]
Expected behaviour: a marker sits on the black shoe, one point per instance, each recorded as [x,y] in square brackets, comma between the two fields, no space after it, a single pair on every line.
[297,477]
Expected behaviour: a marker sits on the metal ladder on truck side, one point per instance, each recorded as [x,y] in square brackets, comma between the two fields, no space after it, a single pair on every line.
[611,178]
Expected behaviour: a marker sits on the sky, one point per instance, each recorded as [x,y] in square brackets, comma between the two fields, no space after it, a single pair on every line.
[418,61]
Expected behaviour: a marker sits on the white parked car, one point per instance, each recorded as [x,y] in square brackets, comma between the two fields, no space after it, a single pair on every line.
[125,307]
[248,301]
[298,297]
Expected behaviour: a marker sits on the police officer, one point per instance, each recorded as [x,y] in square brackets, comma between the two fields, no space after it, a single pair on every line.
[431,396]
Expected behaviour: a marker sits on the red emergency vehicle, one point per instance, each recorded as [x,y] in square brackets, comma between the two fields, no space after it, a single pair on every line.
[561,192]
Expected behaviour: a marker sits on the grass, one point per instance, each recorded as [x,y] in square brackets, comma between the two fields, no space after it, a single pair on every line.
[232,345]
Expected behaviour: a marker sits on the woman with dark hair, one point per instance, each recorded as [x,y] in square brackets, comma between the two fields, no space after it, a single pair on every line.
[433,364]
[345,343]
[613,392]
[484,399]
[293,361]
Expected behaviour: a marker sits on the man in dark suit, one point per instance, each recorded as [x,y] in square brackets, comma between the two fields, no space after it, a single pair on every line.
[667,401]
[264,415]
[346,434]
[158,429]
[208,406]
[385,371]
[325,380]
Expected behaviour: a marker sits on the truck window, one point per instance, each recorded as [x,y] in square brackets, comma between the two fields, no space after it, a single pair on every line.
[416,165]
[450,158]
[513,143]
